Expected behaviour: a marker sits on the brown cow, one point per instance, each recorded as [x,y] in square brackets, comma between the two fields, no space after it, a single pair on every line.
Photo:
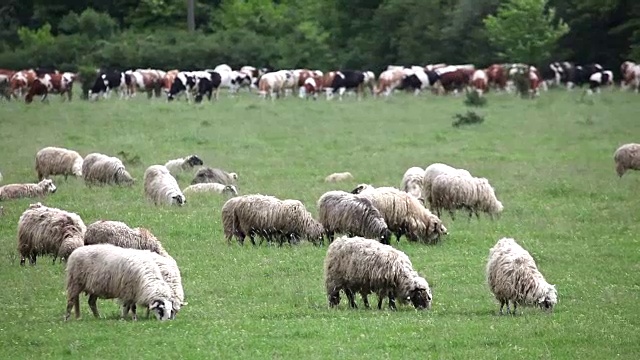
[454,79]
[39,87]
[168,79]
[388,81]
[21,81]
[497,76]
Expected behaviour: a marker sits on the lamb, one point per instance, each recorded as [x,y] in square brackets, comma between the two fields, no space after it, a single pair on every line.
[58,161]
[111,272]
[405,215]
[337,177]
[365,266]
[103,169]
[453,192]
[229,190]
[162,188]
[44,230]
[19,191]
[627,157]
[431,172]
[209,175]
[187,163]
[342,212]
[412,181]
[120,234]
[512,275]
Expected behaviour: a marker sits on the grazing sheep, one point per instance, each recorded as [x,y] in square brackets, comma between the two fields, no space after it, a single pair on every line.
[337,177]
[513,276]
[103,169]
[58,161]
[345,213]
[359,265]
[209,175]
[19,191]
[177,166]
[627,157]
[120,234]
[111,272]
[229,190]
[405,215]
[453,192]
[412,182]
[161,187]
[44,230]
[431,172]
[229,224]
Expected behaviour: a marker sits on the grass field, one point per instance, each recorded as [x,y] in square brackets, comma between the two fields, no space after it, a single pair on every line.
[550,161]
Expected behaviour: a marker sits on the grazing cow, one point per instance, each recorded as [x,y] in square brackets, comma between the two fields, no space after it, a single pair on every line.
[145,80]
[300,77]
[453,78]
[346,80]
[388,81]
[60,83]
[535,80]
[497,77]
[185,82]
[21,81]
[310,87]
[369,81]
[417,79]
[480,82]
[273,83]
[630,75]
[167,80]
[599,79]
[40,87]
[107,81]
[433,67]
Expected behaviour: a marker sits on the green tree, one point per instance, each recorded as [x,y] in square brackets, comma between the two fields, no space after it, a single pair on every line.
[525,30]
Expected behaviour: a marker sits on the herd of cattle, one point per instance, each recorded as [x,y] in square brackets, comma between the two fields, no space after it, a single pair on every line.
[196,85]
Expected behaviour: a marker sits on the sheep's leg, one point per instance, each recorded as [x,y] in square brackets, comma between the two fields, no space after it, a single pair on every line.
[398,235]
[23,260]
[252,238]
[334,298]
[351,297]
[515,305]
[73,302]
[453,215]
[392,301]
[134,316]
[502,302]
[365,301]
[508,311]
[330,235]
[380,299]
[93,306]
[54,259]
[32,259]
[124,311]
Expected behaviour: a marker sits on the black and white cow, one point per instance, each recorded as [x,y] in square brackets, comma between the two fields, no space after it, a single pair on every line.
[185,82]
[207,85]
[346,80]
[599,79]
[417,79]
[575,75]
[106,81]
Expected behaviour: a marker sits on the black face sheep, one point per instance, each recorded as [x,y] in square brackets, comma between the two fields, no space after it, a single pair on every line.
[187,163]
[58,161]
[161,187]
[512,276]
[627,157]
[48,231]
[120,234]
[111,272]
[228,190]
[359,265]
[431,172]
[453,192]
[209,175]
[19,191]
[345,213]
[412,181]
[102,169]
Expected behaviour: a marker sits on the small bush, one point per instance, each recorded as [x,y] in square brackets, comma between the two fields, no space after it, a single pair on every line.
[475,99]
[469,118]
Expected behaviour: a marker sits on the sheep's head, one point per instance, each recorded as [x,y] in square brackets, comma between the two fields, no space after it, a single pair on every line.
[68,245]
[620,169]
[234,176]
[194,160]
[385,236]
[48,186]
[316,233]
[123,177]
[230,190]
[360,188]
[163,309]
[420,294]
[77,167]
[550,298]
[180,199]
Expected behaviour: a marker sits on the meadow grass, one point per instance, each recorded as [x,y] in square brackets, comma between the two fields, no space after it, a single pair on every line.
[550,161]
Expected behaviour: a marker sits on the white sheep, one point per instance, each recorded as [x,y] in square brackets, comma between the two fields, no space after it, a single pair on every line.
[58,161]
[359,265]
[431,172]
[229,190]
[187,163]
[209,175]
[412,181]
[19,191]
[120,234]
[103,169]
[627,157]
[161,187]
[0,177]
[337,177]
[111,272]
[513,276]
[454,192]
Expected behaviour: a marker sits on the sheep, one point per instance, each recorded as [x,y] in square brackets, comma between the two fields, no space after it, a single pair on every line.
[177,166]
[209,175]
[627,157]
[337,177]
[512,275]
[111,272]
[120,234]
[103,169]
[45,230]
[362,265]
[431,172]
[405,215]
[229,190]
[0,177]
[453,192]
[19,191]
[412,181]
[229,224]
[162,188]
[58,161]
[342,212]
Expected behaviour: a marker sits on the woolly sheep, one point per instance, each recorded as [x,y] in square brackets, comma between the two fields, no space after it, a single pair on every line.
[111,272]
[431,172]
[452,192]
[209,175]
[337,177]
[229,190]
[120,234]
[177,166]
[405,215]
[58,161]
[103,169]
[161,187]
[18,191]
[412,182]
[512,275]
[45,230]
[627,157]
[359,265]
[345,213]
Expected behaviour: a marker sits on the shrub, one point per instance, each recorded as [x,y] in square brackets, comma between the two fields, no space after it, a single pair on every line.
[469,118]
[474,99]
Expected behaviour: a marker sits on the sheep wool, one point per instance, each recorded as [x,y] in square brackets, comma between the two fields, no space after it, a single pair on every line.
[452,192]
[337,177]
[513,276]
[19,191]
[44,230]
[412,182]
[58,161]
[209,175]
[161,187]
[359,265]
[103,169]
[229,190]
[627,157]
[120,234]
[431,172]
[187,163]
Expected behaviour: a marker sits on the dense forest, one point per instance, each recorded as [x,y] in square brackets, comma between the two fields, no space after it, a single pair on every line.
[323,34]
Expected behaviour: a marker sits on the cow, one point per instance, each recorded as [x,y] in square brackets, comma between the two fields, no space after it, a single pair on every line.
[273,83]
[388,81]
[599,79]
[5,83]
[145,80]
[167,80]
[497,77]
[184,82]
[369,80]
[630,72]
[480,81]
[417,79]
[40,87]
[21,81]
[107,81]
[453,78]
[60,83]
[346,80]
[310,87]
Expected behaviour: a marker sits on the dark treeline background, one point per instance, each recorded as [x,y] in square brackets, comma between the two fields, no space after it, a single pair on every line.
[322,34]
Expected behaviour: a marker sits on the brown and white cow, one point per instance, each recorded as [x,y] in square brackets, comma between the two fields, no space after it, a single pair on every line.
[273,84]
[21,81]
[168,79]
[453,78]
[388,81]
[480,82]
[497,77]
[5,83]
